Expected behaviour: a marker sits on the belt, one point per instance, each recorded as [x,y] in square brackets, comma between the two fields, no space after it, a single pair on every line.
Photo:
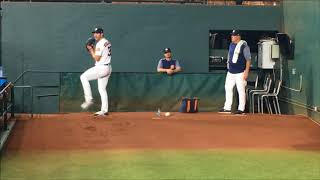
[106,64]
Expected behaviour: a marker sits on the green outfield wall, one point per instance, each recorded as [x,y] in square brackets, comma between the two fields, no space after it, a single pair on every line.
[51,37]
[301,20]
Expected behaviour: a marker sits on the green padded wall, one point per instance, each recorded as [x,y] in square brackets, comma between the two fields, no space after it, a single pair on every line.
[51,37]
[45,95]
[146,91]
[302,21]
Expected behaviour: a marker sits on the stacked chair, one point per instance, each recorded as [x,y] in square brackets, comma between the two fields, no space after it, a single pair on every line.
[256,92]
[274,97]
[264,95]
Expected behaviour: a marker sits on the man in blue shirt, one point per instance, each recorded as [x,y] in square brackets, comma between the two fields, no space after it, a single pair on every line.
[239,59]
[167,64]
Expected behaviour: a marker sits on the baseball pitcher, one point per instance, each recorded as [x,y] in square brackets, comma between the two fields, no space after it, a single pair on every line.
[101,54]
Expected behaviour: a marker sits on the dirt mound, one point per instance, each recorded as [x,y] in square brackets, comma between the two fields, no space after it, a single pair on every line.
[143,130]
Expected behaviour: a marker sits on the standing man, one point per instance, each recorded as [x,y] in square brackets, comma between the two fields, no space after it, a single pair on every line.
[101,55]
[167,64]
[239,59]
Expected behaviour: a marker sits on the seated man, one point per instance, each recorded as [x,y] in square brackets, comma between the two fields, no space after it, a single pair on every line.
[167,64]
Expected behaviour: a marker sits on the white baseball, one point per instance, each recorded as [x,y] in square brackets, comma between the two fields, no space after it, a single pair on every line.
[167,114]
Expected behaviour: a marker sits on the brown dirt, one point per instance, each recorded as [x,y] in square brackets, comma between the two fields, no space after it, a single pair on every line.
[140,130]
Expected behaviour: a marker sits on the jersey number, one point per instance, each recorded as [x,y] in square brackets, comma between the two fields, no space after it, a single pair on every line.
[109,49]
[107,44]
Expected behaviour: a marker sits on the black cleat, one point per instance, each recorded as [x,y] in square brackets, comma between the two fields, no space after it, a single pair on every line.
[223,111]
[239,112]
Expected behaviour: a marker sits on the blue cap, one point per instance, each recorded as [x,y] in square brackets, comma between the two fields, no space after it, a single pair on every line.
[235,33]
[166,50]
[97,30]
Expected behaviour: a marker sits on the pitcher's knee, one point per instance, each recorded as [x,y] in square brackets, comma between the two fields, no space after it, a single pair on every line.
[83,77]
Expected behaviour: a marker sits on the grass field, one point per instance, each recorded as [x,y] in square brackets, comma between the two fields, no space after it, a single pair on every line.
[162,164]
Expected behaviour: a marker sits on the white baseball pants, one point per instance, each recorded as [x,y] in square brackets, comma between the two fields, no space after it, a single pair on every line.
[231,81]
[102,73]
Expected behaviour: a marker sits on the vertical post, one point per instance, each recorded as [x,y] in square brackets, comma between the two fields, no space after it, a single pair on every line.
[23,110]
[12,102]
[31,102]
[59,98]
[1,111]
[4,112]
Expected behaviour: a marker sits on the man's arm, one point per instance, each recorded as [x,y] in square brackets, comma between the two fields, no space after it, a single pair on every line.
[247,55]
[93,54]
[228,60]
[160,69]
[246,71]
[178,67]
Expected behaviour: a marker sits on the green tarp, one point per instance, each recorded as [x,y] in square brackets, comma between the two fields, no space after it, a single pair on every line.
[147,91]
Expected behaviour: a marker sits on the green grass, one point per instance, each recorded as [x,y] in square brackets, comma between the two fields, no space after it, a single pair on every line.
[215,164]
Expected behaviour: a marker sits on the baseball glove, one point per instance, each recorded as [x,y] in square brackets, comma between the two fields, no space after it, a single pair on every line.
[90,42]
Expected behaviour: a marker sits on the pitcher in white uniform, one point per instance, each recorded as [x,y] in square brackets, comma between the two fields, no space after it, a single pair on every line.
[101,54]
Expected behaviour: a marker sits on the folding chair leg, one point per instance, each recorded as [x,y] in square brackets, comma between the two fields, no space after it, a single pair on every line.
[278,104]
[266,100]
[252,100]
[269,105]
[250,103]
[275,107]
[261,105]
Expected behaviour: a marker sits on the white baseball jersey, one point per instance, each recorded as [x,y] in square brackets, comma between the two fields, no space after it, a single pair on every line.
[103,49]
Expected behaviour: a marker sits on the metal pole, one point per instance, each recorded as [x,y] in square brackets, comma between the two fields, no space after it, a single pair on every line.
[12,101]
[31,102]
[2,111]
[59,92]
[4,115]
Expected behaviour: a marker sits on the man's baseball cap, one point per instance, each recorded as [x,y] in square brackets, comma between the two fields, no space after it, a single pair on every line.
[235,33]
[97,30]
[166,50]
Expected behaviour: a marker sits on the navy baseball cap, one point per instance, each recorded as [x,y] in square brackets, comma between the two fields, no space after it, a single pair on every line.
[97,30]
[235,33]
[166,50]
